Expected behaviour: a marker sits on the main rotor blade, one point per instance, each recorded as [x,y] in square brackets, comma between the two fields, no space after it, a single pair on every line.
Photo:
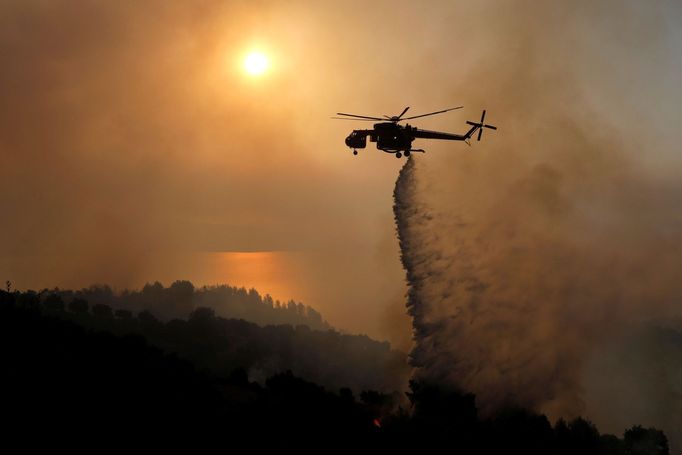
[403,112]
[468,123]
[480,131]
[483,116]
[359,116]
[433,113]
[491,127]
[356,119]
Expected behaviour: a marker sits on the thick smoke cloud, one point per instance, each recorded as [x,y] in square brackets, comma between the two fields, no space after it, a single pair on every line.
[511,296]
[554,239]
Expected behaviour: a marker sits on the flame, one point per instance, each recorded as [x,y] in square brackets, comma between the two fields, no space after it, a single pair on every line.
[377,422]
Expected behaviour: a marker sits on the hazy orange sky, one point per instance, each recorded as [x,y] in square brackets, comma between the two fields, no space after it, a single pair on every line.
[133,146]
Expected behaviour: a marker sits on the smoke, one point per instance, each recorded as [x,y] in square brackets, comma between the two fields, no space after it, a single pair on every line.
[521,275]
[535,258]
[638,376]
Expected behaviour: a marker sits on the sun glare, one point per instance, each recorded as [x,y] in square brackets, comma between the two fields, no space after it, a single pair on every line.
[255,63]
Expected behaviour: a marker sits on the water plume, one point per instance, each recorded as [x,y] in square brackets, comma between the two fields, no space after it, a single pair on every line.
[513,288]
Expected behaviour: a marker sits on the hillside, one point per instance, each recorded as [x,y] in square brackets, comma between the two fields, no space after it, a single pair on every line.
[220,345]
[85,388]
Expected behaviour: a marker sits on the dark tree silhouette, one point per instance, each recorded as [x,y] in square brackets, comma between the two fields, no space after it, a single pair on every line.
[83,379]
[181,297]
[102,311]
[54,304]
[645,441]
[79,307]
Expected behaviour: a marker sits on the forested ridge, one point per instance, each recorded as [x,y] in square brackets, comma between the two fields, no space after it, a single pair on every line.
[74,372]
[221,345]
[181,297]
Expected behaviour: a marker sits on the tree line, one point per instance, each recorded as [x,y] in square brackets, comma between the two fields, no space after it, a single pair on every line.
[70,382]
[220,345]
[181,297]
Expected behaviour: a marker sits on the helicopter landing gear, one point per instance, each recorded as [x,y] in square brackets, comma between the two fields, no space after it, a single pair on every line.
[407,153]
[355,152]
[398,155]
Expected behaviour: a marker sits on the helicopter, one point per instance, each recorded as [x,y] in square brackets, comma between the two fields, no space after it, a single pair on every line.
[391,137]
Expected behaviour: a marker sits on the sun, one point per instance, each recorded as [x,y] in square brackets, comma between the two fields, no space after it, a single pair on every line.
[256,63]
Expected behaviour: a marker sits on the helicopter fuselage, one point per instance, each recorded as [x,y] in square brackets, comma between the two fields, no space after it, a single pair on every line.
[390,137]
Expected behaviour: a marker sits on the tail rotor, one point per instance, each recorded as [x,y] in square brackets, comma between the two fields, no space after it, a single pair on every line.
[481,125]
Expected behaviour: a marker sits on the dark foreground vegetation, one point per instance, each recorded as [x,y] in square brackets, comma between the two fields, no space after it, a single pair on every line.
[65,384]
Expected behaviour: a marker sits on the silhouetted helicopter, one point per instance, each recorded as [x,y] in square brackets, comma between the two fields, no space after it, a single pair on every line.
[397,139]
